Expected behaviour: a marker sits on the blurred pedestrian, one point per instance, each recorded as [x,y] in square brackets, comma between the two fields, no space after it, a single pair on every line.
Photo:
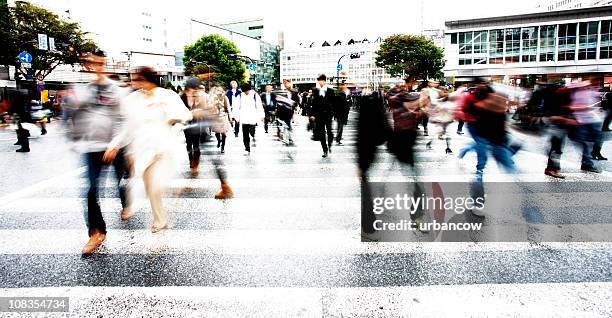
[287,100]
[322,111]
[96,121]
[195,99]
[221,102]
[407,110]
[152,114]
[342,110]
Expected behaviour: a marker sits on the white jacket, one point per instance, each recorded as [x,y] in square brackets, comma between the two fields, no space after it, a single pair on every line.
[250,109]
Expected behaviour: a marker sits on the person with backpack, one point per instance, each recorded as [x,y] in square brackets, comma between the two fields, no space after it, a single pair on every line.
[249,113]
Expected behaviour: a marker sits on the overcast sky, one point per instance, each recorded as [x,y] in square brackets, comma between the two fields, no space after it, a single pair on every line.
[319,19]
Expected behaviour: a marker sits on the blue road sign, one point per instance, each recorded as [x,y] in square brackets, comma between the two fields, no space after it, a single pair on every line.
[25,57]
[252,67]
[339,67]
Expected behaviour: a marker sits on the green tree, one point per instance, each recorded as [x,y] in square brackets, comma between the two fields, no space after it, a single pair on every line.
[19,29]
[215,51]
[414,57]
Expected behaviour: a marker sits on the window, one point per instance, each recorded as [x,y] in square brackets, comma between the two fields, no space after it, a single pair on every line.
[496,46]
[465,42]
[547,43]
[567,42]
[605,47]
[587,41]
[513,45]
[465,61]
[529,52]
[480,42]
[453,38]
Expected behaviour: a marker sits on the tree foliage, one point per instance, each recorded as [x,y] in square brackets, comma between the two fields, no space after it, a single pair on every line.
[415,57]
[215,51]
[19,29]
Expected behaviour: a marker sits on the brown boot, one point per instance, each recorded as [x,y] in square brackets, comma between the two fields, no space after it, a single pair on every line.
[225,193]
[195,166]
[95,240]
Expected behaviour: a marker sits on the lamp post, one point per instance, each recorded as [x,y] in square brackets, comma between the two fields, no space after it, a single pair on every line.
[338,71]
[244,59]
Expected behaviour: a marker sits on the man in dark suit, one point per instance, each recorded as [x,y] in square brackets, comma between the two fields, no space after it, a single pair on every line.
[268,99]
[322,111]
[342,109]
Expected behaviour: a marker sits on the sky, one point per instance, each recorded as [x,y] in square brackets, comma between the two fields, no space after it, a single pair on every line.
[315,20]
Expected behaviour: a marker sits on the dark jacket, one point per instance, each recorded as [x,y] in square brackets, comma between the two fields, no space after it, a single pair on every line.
[342,107]
[272,100]
[323,106]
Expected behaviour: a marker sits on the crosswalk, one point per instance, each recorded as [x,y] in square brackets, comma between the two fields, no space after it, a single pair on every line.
[289,244]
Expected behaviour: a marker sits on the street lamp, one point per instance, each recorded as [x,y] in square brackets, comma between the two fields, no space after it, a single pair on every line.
[245,59]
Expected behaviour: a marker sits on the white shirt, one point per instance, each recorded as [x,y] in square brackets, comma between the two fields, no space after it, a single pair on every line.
[250,110]
[147,130]
[322,90]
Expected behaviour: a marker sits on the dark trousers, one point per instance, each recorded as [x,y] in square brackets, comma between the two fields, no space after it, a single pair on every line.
[220,140]
[248,131]
[341,124]
[193,148]
[236,128]
[425,121]
[93,218]
[267,120]
[324,127]
[606,122]
[460,126]
[554,154]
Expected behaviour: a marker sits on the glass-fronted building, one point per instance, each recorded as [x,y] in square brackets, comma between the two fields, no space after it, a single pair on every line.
[530,47]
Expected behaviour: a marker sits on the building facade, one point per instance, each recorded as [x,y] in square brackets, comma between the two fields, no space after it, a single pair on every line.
[556,5]
[525,48]
[303,64]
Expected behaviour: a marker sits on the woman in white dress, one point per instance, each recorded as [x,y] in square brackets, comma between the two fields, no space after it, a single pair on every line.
[149,131]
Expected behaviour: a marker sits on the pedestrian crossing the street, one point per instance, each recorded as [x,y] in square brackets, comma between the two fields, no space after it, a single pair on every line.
[290,245]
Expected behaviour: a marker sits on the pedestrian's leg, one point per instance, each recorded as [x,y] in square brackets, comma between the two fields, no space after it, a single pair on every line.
[330,133]
[460,127]
[236,128]
[120,171]
[425,121]
[153,186]
[218,137]
[607,120]
[246,139]
[339,131]
[584,135]
[266,121]
[223,138]
[554,154]
[94,219]
[320,133]
[196,155]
